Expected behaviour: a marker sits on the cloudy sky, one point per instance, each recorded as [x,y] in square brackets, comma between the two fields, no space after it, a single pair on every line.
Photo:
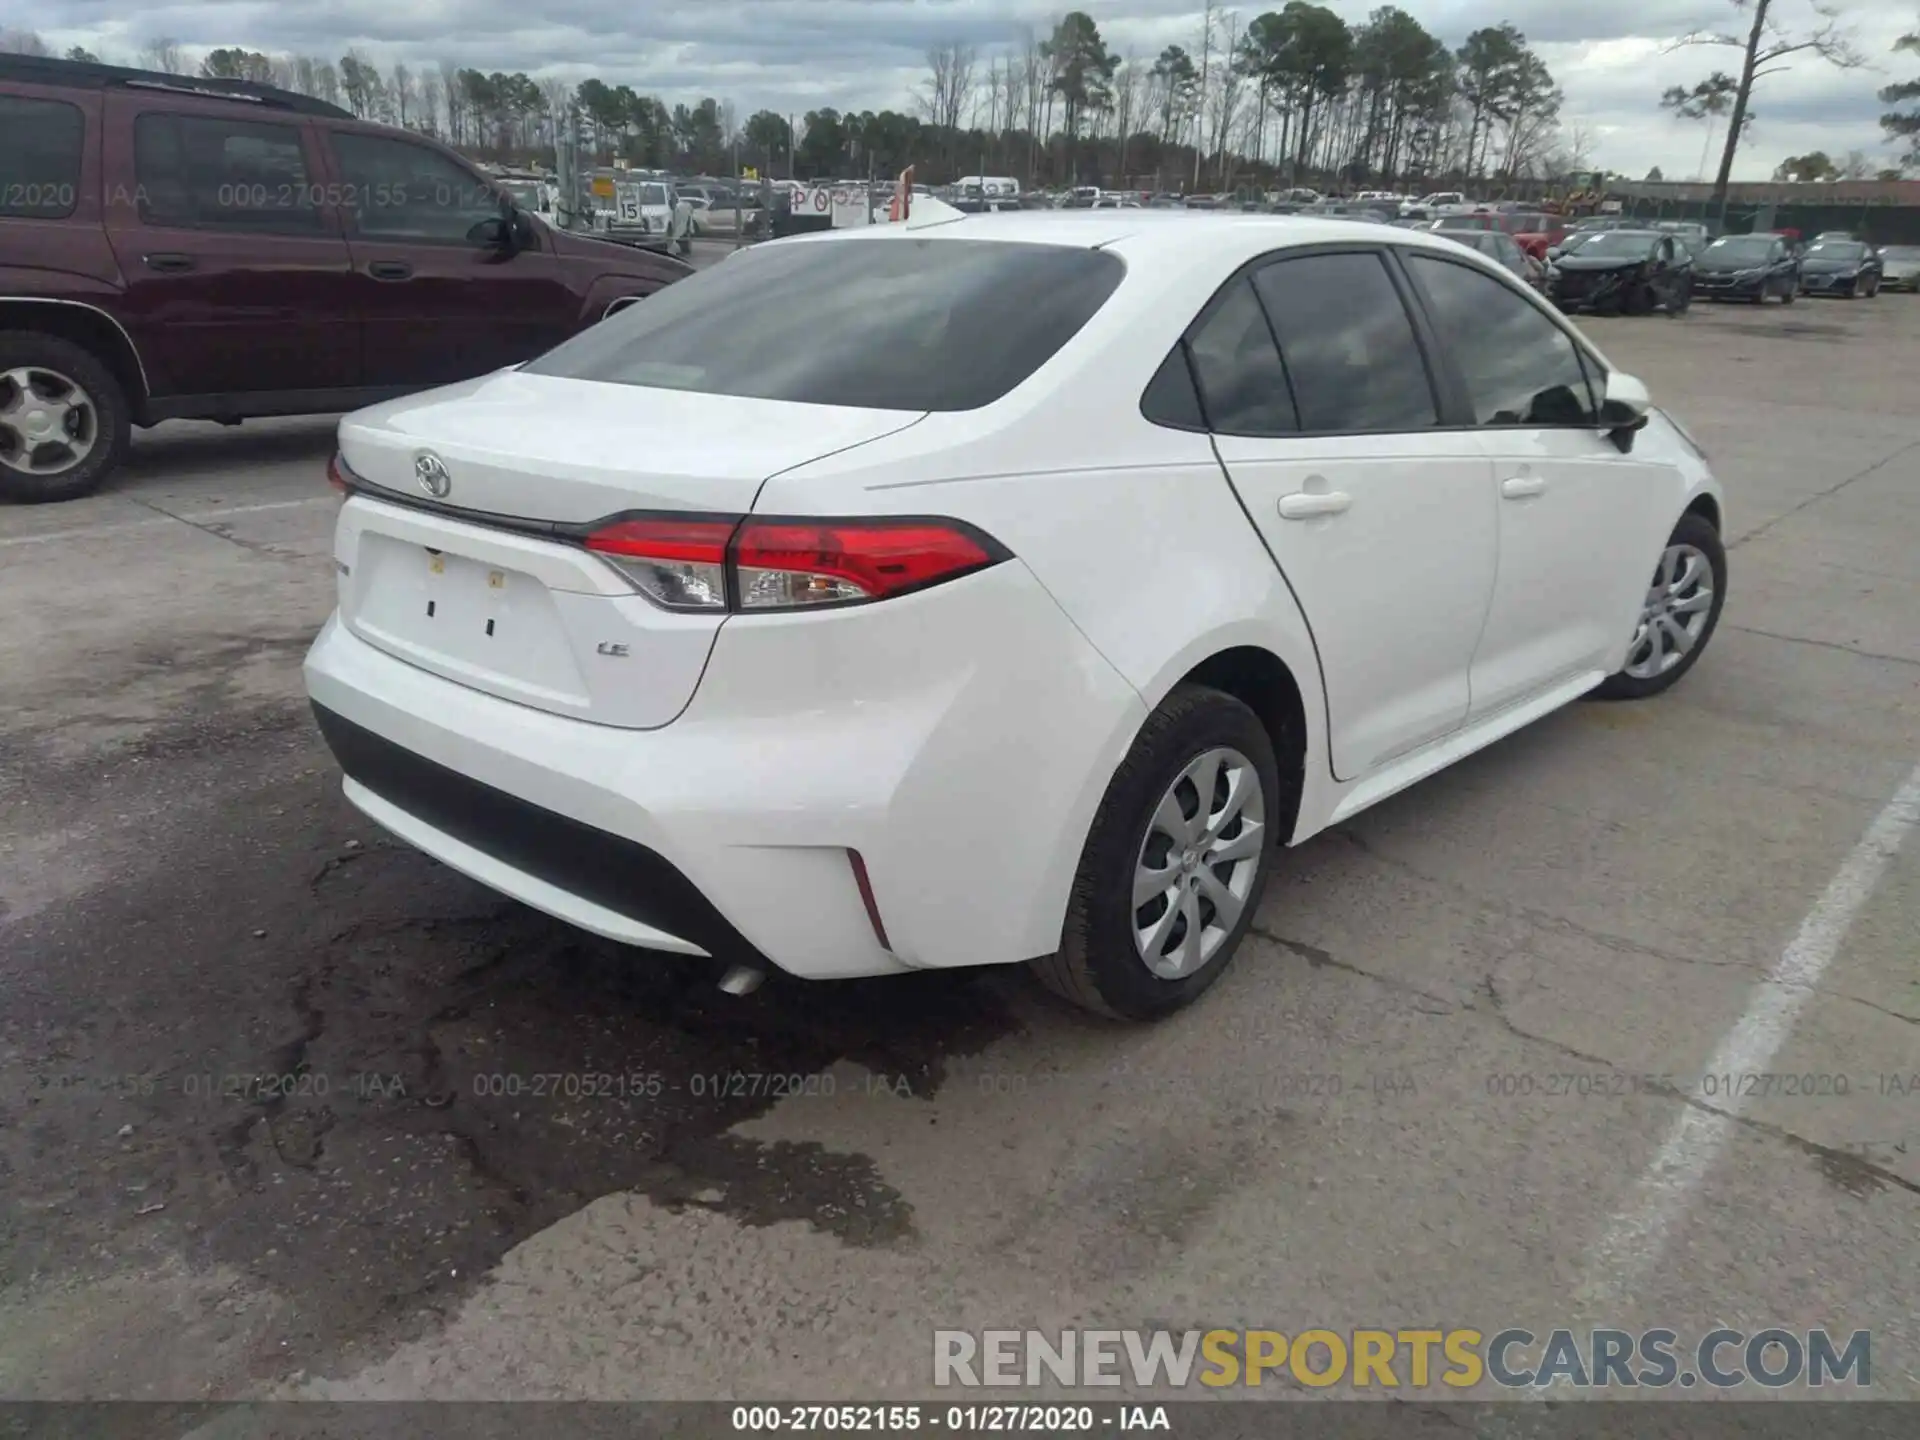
[1610,56]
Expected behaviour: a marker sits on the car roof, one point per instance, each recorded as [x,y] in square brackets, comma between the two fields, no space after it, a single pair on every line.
[92,75]
[1173,238]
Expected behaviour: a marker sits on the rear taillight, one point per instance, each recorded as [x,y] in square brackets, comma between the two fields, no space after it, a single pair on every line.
[681,562]
[759,564]
[784,563]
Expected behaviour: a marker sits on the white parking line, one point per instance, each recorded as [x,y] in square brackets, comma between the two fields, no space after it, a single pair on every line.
[160,517]
[1637,1236]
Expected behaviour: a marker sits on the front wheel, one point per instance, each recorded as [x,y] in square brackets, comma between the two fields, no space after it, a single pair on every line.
[1790,294]
[1679,614]
[1175,862]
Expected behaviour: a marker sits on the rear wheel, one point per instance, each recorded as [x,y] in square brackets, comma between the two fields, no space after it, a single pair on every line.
[1175,863]
[1679,615]
[64,420]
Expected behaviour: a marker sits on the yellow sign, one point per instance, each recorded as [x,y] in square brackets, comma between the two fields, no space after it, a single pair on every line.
[750,173]
[603,186]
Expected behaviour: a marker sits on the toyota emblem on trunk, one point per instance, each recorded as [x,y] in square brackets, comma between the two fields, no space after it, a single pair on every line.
[432,474]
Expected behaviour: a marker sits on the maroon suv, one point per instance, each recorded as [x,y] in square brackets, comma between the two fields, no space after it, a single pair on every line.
[173,248]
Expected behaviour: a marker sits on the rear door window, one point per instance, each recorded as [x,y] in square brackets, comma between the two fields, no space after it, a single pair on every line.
[39,157]
[1348,344]
[219,174]
[1243,385]
[879,322]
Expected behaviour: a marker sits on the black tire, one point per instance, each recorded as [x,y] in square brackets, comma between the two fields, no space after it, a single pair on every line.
[1695,531]
[1790,294]
[1681,302]
[30,348]
[1097,966]
[1639,300]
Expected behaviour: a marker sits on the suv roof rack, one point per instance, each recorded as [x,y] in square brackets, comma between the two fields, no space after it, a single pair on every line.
[86,74]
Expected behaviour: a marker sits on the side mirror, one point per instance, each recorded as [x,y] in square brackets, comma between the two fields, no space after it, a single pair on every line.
[1624,410]
[1553,252]
[495,233]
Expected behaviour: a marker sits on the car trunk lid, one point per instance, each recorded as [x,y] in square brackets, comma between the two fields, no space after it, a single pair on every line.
[486,581]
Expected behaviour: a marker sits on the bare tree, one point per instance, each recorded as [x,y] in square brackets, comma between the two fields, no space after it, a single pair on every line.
[1224,106]
[949,87]
[1576,148]
[22,42]
[164,55]
[1766,49]
[1130,105]
[1206,62]
[429,84]
[557,95]
[453,95]
[406,96]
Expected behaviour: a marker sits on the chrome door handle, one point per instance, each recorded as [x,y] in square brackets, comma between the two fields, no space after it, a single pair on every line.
[1307,504]
[1521,486]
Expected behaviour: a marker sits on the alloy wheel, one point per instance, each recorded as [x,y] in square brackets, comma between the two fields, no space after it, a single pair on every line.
[1197,863]
[1675,614]
[48,423]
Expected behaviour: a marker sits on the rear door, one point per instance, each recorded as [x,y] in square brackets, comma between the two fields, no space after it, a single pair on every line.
[1382,521]
[434,303]
[236,272]
[1580,524]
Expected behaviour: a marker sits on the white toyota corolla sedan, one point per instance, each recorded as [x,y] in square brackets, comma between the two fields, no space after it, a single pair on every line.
[1008,588]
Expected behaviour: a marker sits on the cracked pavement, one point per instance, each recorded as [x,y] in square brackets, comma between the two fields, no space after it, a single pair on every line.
[513,1161]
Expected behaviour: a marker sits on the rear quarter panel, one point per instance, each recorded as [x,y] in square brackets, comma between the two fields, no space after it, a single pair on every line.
[1132,528]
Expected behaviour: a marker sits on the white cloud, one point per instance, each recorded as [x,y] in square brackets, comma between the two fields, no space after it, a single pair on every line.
[792,55]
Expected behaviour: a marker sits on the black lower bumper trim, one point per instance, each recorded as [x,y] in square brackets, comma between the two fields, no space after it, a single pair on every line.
[609,870]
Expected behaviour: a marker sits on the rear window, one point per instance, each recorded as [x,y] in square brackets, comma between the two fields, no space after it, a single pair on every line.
[881,323]
[40,157]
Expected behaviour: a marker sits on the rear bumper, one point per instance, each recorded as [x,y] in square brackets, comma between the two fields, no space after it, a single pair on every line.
[959,740]
[603,882]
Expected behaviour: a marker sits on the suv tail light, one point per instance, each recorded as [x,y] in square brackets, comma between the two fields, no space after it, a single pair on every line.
[753,563]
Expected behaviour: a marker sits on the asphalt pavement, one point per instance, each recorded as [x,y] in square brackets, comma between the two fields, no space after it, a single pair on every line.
[287,1108]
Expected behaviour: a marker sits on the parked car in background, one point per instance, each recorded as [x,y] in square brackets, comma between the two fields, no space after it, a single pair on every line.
[1696,235]
[1848,268]
[1900,267]
[1629,272]
[1747,267]
[179,248]
[1537,232]
[1500,248]
[868,665]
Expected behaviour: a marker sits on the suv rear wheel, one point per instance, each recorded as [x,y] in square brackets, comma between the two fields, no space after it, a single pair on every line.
[64,419]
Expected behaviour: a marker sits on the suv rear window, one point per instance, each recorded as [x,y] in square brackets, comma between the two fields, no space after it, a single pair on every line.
[883,322]
[40,158]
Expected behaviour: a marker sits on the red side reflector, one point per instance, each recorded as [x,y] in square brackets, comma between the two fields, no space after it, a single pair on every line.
[866,898]
[701,542]
[879,559]
[337,474]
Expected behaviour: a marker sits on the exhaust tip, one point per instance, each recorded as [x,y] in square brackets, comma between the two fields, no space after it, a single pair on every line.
[742,980]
